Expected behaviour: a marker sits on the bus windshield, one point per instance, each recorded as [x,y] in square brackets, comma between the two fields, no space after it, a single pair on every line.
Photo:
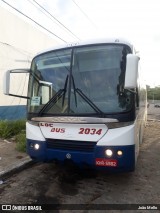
[80,81]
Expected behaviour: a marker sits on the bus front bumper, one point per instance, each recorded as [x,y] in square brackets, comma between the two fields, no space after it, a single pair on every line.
[122,158]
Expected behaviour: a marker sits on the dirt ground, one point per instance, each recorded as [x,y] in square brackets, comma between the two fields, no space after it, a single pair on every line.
[51,184]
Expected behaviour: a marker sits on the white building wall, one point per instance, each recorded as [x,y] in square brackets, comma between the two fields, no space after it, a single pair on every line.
[19,42]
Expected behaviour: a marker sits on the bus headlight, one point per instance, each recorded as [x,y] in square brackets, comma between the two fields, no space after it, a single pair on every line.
[119,153]
[109,152]
[36,146]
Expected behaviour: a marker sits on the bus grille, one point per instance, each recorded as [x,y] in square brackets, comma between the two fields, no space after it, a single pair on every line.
[70,145]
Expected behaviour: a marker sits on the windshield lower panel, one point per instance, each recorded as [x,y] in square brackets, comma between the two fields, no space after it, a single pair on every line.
[80,80]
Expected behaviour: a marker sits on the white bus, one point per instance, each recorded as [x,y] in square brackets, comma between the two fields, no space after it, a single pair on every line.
[86,104]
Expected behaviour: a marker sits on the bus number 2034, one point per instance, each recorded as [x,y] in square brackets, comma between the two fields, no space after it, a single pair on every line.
[91,131]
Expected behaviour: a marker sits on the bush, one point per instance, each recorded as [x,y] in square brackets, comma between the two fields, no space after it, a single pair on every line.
[5,129]
[21,142]
[9,129]
[17,128]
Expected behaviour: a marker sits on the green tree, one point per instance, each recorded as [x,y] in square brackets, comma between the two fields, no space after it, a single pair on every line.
[153,93]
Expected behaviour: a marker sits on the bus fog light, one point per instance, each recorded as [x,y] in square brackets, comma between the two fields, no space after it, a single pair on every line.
[36,146]
[109,152]
[119,153]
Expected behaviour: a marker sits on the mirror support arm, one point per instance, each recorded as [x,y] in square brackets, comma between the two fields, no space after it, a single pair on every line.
[19,96]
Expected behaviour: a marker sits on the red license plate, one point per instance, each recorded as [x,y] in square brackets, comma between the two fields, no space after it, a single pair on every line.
[106,162]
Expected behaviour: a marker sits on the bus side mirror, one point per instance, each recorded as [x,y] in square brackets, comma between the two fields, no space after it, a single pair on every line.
[7,81]
[131,71]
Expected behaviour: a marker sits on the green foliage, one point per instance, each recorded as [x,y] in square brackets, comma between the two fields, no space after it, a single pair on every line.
[17,128]
[153,93]
[9,129]
[5,129]
[21,142]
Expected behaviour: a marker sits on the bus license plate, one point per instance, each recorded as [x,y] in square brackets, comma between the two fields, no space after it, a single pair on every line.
[106,162]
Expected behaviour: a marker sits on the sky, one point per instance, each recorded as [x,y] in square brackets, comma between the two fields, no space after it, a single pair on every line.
[136,20]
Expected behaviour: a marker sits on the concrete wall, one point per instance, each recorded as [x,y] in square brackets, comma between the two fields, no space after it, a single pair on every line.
[19,42]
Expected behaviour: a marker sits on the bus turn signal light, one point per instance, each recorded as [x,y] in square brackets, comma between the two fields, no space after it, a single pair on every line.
[119,153]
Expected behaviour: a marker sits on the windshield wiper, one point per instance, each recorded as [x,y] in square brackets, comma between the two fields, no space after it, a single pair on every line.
[89,102]
[65,89]
[74,87]
[62,92]
[86,99]
[55,98]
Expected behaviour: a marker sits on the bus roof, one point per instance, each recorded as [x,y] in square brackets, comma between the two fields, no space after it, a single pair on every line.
[89,42]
